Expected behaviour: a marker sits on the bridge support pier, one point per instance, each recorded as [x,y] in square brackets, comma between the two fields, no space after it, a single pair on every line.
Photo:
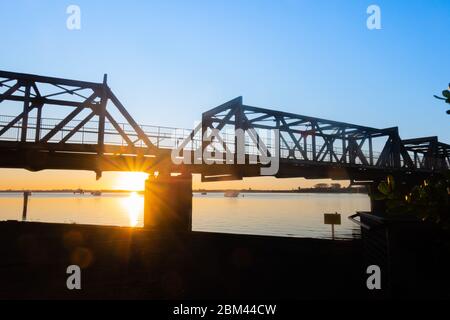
[168,203]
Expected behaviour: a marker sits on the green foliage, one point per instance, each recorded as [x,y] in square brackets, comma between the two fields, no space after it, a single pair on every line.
[446,93]
[445,96]
[428,201]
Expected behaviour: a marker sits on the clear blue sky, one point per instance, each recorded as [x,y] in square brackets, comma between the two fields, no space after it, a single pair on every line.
[168,61]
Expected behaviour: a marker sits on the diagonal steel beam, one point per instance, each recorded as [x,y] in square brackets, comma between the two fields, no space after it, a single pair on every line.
[66,91]
[119,129]
[406,157]
[255,136]
[17,119]
[10,91]
[77,128]
[140,133]
[227,105]
[61,125]
[260,118]
[261,146]
[359,152]
[69,118]
[225,120]
[384,156]
[294,139]
[36,89]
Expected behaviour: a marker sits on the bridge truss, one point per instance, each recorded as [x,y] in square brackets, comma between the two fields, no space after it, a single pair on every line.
[87,102]
[319,145]
[83,131]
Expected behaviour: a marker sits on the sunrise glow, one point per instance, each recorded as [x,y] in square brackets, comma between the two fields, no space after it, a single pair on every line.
[131,181]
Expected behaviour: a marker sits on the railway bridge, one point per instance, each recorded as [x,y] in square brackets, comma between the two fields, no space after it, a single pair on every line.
[53,123]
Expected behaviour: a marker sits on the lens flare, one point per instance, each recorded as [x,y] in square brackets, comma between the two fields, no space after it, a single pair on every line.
[134,206]
[130,181]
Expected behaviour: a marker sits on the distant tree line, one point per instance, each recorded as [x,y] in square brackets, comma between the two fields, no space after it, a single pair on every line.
[327,186]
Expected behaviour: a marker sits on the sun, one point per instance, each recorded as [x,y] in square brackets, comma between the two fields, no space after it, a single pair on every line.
[131,181]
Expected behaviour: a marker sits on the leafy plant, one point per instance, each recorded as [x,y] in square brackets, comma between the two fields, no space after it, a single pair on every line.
[429,201]
[445,96]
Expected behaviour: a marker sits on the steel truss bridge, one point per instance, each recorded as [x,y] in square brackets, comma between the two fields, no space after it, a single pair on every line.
[52,123]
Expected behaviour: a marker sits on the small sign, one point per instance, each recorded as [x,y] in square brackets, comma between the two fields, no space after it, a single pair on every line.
[332,218]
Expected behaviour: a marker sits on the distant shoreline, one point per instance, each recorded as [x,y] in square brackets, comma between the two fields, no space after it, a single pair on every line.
[305,190]
[362,190]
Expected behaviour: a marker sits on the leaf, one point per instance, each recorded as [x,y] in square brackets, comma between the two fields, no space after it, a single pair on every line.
[383,187]
[391,182]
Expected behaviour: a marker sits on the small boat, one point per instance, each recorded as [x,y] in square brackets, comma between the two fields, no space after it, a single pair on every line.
[78,191]
[204,193]
[96,193]
[231,194]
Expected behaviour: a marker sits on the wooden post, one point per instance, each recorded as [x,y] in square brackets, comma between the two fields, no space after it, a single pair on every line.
[26,194]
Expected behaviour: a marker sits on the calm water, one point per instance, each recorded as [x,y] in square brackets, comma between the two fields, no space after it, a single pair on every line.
[295,215]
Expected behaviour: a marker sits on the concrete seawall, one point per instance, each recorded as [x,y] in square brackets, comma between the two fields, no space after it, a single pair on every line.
[125,263]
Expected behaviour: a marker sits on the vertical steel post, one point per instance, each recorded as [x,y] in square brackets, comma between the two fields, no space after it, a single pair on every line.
[102,116]
[396,148]
[26,105]
[314,152]
[38,124]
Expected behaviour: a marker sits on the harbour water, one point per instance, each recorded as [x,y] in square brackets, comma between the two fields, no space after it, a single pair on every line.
[275,214]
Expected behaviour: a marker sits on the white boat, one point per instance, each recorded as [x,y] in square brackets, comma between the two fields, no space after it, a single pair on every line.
[231,194]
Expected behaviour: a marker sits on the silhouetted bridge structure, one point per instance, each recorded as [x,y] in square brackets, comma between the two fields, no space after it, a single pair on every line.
[52,123]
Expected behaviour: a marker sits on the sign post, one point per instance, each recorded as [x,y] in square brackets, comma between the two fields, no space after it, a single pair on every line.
[332,219]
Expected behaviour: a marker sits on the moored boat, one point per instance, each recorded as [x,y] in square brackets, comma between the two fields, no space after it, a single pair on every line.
[231,194]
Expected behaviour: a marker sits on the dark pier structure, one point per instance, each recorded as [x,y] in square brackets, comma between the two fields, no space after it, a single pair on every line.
[95,132]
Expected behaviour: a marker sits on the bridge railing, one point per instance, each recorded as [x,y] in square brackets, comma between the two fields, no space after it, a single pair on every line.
[161,136]
[171,137]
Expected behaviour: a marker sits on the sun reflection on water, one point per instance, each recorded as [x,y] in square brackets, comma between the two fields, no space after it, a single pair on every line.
[134,206]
